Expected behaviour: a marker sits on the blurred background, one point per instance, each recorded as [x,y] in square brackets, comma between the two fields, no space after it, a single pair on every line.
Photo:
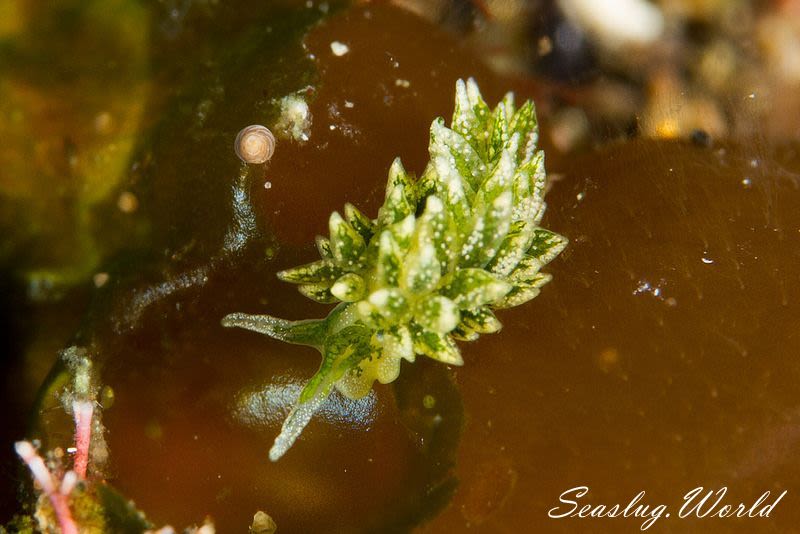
[80,80]
[669,68]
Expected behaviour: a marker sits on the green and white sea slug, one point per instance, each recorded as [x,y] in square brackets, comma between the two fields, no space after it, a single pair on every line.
[445,250]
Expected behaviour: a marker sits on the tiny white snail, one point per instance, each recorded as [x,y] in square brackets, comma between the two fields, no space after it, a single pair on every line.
[254,144]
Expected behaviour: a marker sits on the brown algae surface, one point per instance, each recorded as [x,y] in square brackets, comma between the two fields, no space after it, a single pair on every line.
[660,357]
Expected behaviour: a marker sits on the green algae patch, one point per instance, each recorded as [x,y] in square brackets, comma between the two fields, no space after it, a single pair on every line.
[69,124]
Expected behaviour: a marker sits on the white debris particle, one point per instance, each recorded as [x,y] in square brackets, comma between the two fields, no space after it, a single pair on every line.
[332,127]
[570,126]
[348,104]
[544,46]
[643,287]
[267,185]
[103,122]
[402,83]
[295,118]
[127,202]
[339,49]
[656,290]
[263,524]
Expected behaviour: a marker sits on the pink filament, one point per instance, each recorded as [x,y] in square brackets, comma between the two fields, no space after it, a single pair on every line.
[42,475]
[63,515]
[83,411]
